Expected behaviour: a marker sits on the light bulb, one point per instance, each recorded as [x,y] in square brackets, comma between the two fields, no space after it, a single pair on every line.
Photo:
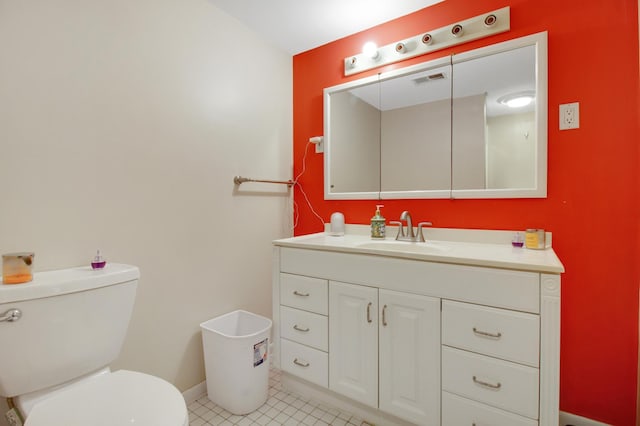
[519,102]
[370,49]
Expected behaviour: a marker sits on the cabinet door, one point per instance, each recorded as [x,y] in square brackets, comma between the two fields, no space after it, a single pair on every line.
[410,356]
[353,342]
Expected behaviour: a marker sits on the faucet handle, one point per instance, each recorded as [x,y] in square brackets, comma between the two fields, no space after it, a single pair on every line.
[420,234]
[400,228]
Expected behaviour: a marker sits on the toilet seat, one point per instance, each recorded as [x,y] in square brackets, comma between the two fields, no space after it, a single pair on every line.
[113,399]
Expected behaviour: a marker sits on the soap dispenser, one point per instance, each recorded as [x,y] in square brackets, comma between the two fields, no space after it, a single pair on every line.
[378,224]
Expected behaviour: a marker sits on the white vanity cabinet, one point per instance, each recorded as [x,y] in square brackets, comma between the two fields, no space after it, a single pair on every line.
[385,350]
[409,356]
[353,338]
[420,341]
[303,327]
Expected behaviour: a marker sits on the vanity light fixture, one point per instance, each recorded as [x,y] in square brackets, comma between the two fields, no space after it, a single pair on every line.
[479,26]
[517,100]
[457,31]
[490,20]
[402,48]
[370,49]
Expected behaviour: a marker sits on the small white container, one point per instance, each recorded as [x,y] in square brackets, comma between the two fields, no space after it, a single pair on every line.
[337,225]
[236,348]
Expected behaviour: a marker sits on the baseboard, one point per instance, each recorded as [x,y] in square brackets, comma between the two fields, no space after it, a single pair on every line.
[568,419]
[195,392]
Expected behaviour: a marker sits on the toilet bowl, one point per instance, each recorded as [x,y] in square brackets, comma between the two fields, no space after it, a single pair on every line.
[66,327]
[112,399]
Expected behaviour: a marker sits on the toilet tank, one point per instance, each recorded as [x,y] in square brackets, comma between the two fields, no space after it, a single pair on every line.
[73,322]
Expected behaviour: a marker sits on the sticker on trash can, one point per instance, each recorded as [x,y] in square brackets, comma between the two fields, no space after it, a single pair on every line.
[260,351]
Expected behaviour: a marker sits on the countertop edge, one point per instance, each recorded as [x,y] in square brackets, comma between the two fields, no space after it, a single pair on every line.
[306,242]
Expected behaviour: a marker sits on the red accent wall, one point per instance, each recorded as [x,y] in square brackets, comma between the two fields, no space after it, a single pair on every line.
[592,206]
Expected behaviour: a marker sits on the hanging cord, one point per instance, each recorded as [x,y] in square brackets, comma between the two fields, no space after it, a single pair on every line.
[296,214]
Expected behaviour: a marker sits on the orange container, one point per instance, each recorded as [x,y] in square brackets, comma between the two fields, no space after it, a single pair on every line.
[17,268]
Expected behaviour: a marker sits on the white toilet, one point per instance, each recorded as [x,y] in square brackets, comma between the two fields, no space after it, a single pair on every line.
[59,334]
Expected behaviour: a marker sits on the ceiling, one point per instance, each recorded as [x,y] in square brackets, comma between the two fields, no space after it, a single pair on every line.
[505,73]
[296,26]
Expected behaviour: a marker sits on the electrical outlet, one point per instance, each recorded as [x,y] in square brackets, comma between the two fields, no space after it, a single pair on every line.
[570,116]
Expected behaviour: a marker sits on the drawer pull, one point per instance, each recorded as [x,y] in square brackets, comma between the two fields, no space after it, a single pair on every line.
[487,334]
[297,293]
[301,364]
[304,330]
[487,384]
[384,316]
[369,312]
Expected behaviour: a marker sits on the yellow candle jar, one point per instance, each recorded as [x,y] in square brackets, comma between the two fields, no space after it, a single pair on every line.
[534,239]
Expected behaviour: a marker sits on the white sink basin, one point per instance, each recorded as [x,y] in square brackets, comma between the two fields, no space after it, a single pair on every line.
[404,246]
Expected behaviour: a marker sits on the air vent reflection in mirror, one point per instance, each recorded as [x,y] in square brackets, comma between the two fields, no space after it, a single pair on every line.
[428,78]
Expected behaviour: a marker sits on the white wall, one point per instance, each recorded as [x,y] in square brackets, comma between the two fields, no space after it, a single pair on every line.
[416,147]
[355,144]
[122,125]
[468,142]
[511,151]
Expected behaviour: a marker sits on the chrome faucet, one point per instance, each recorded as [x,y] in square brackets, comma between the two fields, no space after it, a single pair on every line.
[410,235]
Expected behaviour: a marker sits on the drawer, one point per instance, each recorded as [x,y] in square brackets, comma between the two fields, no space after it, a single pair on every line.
[304,327]
[462,411]
[502,288]
[305,362]
[514,336]
[502,384]
[309,294]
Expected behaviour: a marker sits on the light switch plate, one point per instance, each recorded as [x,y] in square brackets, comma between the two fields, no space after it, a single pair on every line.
[570,116]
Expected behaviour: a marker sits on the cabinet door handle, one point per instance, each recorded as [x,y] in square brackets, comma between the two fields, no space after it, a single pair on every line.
[301,364]
[487,384]
[369,312]
[297,293]
[487,334]
[304,330]
[384,315]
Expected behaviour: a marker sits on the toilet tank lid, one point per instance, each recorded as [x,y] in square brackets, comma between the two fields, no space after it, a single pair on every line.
[71,280]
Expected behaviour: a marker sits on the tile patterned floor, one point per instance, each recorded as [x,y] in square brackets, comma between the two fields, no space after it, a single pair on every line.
[281,408]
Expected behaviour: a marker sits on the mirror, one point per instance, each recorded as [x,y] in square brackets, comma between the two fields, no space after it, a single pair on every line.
[442,129]
[354,166]
[415,133]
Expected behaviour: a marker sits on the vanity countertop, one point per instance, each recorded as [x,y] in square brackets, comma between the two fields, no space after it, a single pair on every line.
[463,247]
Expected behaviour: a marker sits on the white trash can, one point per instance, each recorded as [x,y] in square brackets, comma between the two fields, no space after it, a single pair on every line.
[236,346]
